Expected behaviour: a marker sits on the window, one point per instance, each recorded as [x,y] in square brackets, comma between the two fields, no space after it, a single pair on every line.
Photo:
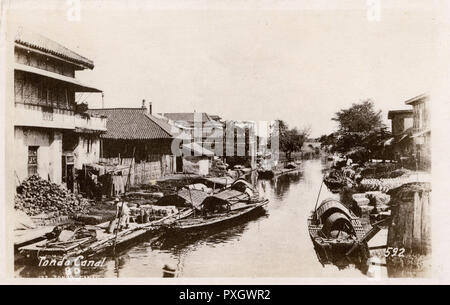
[18,87]
[32,160]
[420,119]
[88,144]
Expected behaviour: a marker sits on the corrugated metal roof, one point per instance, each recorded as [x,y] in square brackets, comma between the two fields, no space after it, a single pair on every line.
[132,124]
[44,44]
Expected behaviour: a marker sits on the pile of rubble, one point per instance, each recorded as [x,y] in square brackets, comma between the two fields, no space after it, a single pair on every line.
[36,196]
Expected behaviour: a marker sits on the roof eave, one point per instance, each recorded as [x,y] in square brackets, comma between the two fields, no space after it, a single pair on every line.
[105,136]
[416,99]
[392,113]
[86,64]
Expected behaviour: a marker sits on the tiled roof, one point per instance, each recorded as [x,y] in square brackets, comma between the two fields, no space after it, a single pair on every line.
[44,44]
[214,117]
[132,124]
[185,116]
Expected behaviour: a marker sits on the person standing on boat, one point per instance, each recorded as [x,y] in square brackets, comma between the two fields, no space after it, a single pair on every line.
[122,213]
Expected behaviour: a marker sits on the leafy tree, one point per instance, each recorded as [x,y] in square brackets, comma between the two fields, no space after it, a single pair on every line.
[361,133]
[291,140]
[359,118]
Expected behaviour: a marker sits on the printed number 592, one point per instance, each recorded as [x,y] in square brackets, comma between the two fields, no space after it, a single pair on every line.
[390,251]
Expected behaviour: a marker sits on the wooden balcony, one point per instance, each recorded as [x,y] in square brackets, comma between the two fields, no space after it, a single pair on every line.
[46,117]
[86,123]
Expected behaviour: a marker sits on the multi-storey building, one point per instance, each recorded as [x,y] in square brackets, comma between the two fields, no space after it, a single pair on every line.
[401,126]
[53,135]
[421,132]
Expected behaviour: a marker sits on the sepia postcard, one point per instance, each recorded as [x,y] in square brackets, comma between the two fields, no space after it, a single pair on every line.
[218,142]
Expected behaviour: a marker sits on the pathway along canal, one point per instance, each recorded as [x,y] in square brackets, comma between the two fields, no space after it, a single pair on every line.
[273,244]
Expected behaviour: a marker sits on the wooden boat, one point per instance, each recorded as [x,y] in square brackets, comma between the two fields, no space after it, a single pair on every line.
[30,236]
[333,185]
[95,240]
[336,231]
[204,221]
[232,203]
[335,181]
[265,174]
[269,174]
[291,165]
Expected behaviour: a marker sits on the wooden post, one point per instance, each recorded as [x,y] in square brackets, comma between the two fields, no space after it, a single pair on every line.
[417,225]
[409,225]
[143,174]
[425,222]
[129,171]
[410,228]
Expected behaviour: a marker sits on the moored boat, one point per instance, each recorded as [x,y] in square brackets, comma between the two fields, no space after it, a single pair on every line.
[335,181]
[204,221]
[89,241]
[232,203]
[336,231]
[265,174]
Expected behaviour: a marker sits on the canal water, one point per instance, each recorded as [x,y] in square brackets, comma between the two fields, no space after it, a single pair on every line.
[274,243]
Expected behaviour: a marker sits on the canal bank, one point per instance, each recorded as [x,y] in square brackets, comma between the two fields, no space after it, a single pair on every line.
[250,248]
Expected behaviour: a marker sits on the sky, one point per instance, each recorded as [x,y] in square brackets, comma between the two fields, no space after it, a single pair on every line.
[300,61]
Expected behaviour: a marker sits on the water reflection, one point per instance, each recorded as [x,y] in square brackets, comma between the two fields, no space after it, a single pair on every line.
[342,261]
[282,184]
[275,243]
[227,232]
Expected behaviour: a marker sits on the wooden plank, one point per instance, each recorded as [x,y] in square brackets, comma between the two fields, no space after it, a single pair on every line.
[392,231]
[417,222]
[425,223]
[22,237]
[401,220]
[409,222]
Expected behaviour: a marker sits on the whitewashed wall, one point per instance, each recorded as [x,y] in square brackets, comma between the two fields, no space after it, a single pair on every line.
[196,165]
[81,154]
[48,154]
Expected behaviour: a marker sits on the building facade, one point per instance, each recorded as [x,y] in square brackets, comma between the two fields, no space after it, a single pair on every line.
[134,133]
[421,130]
[201,128]
[401,127]
[52,134]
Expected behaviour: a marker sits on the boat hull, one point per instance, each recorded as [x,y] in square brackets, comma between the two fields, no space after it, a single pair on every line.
[265,174]
[199,223]
[104,246]
[333,248]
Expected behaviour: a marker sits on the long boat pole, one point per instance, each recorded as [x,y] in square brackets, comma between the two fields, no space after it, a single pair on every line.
[317,200]
[121,207]
[117,228]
